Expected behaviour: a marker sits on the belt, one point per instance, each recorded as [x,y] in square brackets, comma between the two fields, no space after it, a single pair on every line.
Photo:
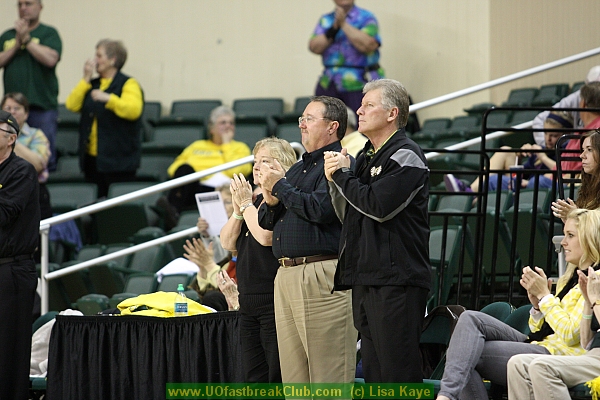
[16,258]
[292,262]
[372,67]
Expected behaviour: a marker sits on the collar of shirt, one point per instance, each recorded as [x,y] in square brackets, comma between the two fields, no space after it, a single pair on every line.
[319,153]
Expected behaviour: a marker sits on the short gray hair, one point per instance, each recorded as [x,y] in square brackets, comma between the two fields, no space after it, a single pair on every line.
[393,94]
[217,112]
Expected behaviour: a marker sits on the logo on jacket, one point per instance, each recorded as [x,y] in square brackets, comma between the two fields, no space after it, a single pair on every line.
[375,171]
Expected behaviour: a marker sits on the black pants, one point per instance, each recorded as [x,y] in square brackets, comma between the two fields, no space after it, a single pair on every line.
[104,179]
[18,281]
[260,354]
[389,320]
[184,197]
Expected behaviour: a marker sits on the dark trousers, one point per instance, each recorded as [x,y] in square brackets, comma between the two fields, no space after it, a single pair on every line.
[18,281]
[351,99]
[184,197]
[104,179]
[389,320]
[260,354]
[47,121]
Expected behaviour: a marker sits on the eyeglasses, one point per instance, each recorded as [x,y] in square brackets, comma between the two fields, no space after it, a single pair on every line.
[308,119]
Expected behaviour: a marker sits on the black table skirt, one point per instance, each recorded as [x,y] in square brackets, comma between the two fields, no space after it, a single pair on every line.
[133,357]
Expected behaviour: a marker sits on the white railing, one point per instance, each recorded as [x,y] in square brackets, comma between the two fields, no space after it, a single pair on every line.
[47,223]
[505,79]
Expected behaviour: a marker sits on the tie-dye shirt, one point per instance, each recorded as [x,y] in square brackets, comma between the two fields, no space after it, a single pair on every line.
[35,140]
[344,64]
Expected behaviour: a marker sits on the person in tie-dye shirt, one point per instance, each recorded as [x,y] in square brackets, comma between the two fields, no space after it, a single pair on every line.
[348,40]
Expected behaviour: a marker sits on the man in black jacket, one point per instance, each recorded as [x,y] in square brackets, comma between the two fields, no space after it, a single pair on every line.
[19,227]
[384,247]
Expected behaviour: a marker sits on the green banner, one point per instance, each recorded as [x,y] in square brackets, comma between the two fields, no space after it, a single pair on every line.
[299,391]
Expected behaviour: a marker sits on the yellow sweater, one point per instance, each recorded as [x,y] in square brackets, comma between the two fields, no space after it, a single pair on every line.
[564,316]
[203,154]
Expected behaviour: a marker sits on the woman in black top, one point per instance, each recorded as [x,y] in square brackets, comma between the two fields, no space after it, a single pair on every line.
[256,267]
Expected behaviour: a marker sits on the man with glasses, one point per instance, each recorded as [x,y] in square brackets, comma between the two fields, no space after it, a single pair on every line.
[316,339]
[384,249]
[19,227]
[30,52]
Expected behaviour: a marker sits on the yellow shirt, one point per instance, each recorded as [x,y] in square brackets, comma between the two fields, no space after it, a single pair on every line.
[203,154]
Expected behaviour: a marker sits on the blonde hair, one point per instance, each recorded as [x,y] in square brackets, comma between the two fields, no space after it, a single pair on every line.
[279,149]
[587,223]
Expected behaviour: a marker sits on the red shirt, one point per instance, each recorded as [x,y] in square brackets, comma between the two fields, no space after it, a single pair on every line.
[575,144]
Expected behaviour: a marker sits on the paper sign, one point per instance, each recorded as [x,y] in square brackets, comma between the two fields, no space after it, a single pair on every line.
[212,209]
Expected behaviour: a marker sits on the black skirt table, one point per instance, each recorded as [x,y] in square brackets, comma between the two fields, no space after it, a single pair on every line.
[134,357]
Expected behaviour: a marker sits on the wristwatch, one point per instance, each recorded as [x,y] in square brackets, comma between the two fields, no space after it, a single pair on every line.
[243,208]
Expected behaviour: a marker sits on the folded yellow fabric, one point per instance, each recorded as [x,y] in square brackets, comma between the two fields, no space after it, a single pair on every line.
[594,386]
[159,304]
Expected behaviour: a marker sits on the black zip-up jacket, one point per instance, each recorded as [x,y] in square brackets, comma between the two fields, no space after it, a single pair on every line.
[385,232]
[19,207]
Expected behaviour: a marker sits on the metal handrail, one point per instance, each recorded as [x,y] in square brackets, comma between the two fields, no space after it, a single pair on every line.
[505,79]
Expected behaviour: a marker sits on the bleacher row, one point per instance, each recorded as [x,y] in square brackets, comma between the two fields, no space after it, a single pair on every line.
[188,121]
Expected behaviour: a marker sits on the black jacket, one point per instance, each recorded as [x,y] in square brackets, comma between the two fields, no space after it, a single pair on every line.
[19,207]
[119,140]
[385,234]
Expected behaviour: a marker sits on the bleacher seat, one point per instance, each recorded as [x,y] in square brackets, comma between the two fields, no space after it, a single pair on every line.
[66,197]
[153,167]
[478,109]
[152,111]
[199,108]
[67,170]
[116,224]
[467,125]
[432,126]
[66,117]
[169,283]
[172,135]
[550,94]
[258,107]
[520,97]
[67,141]
[251,129]
[92,304]
[289,131]
[121,188]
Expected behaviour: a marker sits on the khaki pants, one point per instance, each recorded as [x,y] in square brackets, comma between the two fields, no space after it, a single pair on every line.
[541,377]
[315,332]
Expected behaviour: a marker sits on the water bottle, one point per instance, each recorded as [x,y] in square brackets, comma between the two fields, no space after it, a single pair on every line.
[181,305]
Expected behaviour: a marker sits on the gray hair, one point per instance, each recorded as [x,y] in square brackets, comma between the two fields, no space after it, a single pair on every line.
[393,94]
[114,49]
[217,112]
[351,118]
